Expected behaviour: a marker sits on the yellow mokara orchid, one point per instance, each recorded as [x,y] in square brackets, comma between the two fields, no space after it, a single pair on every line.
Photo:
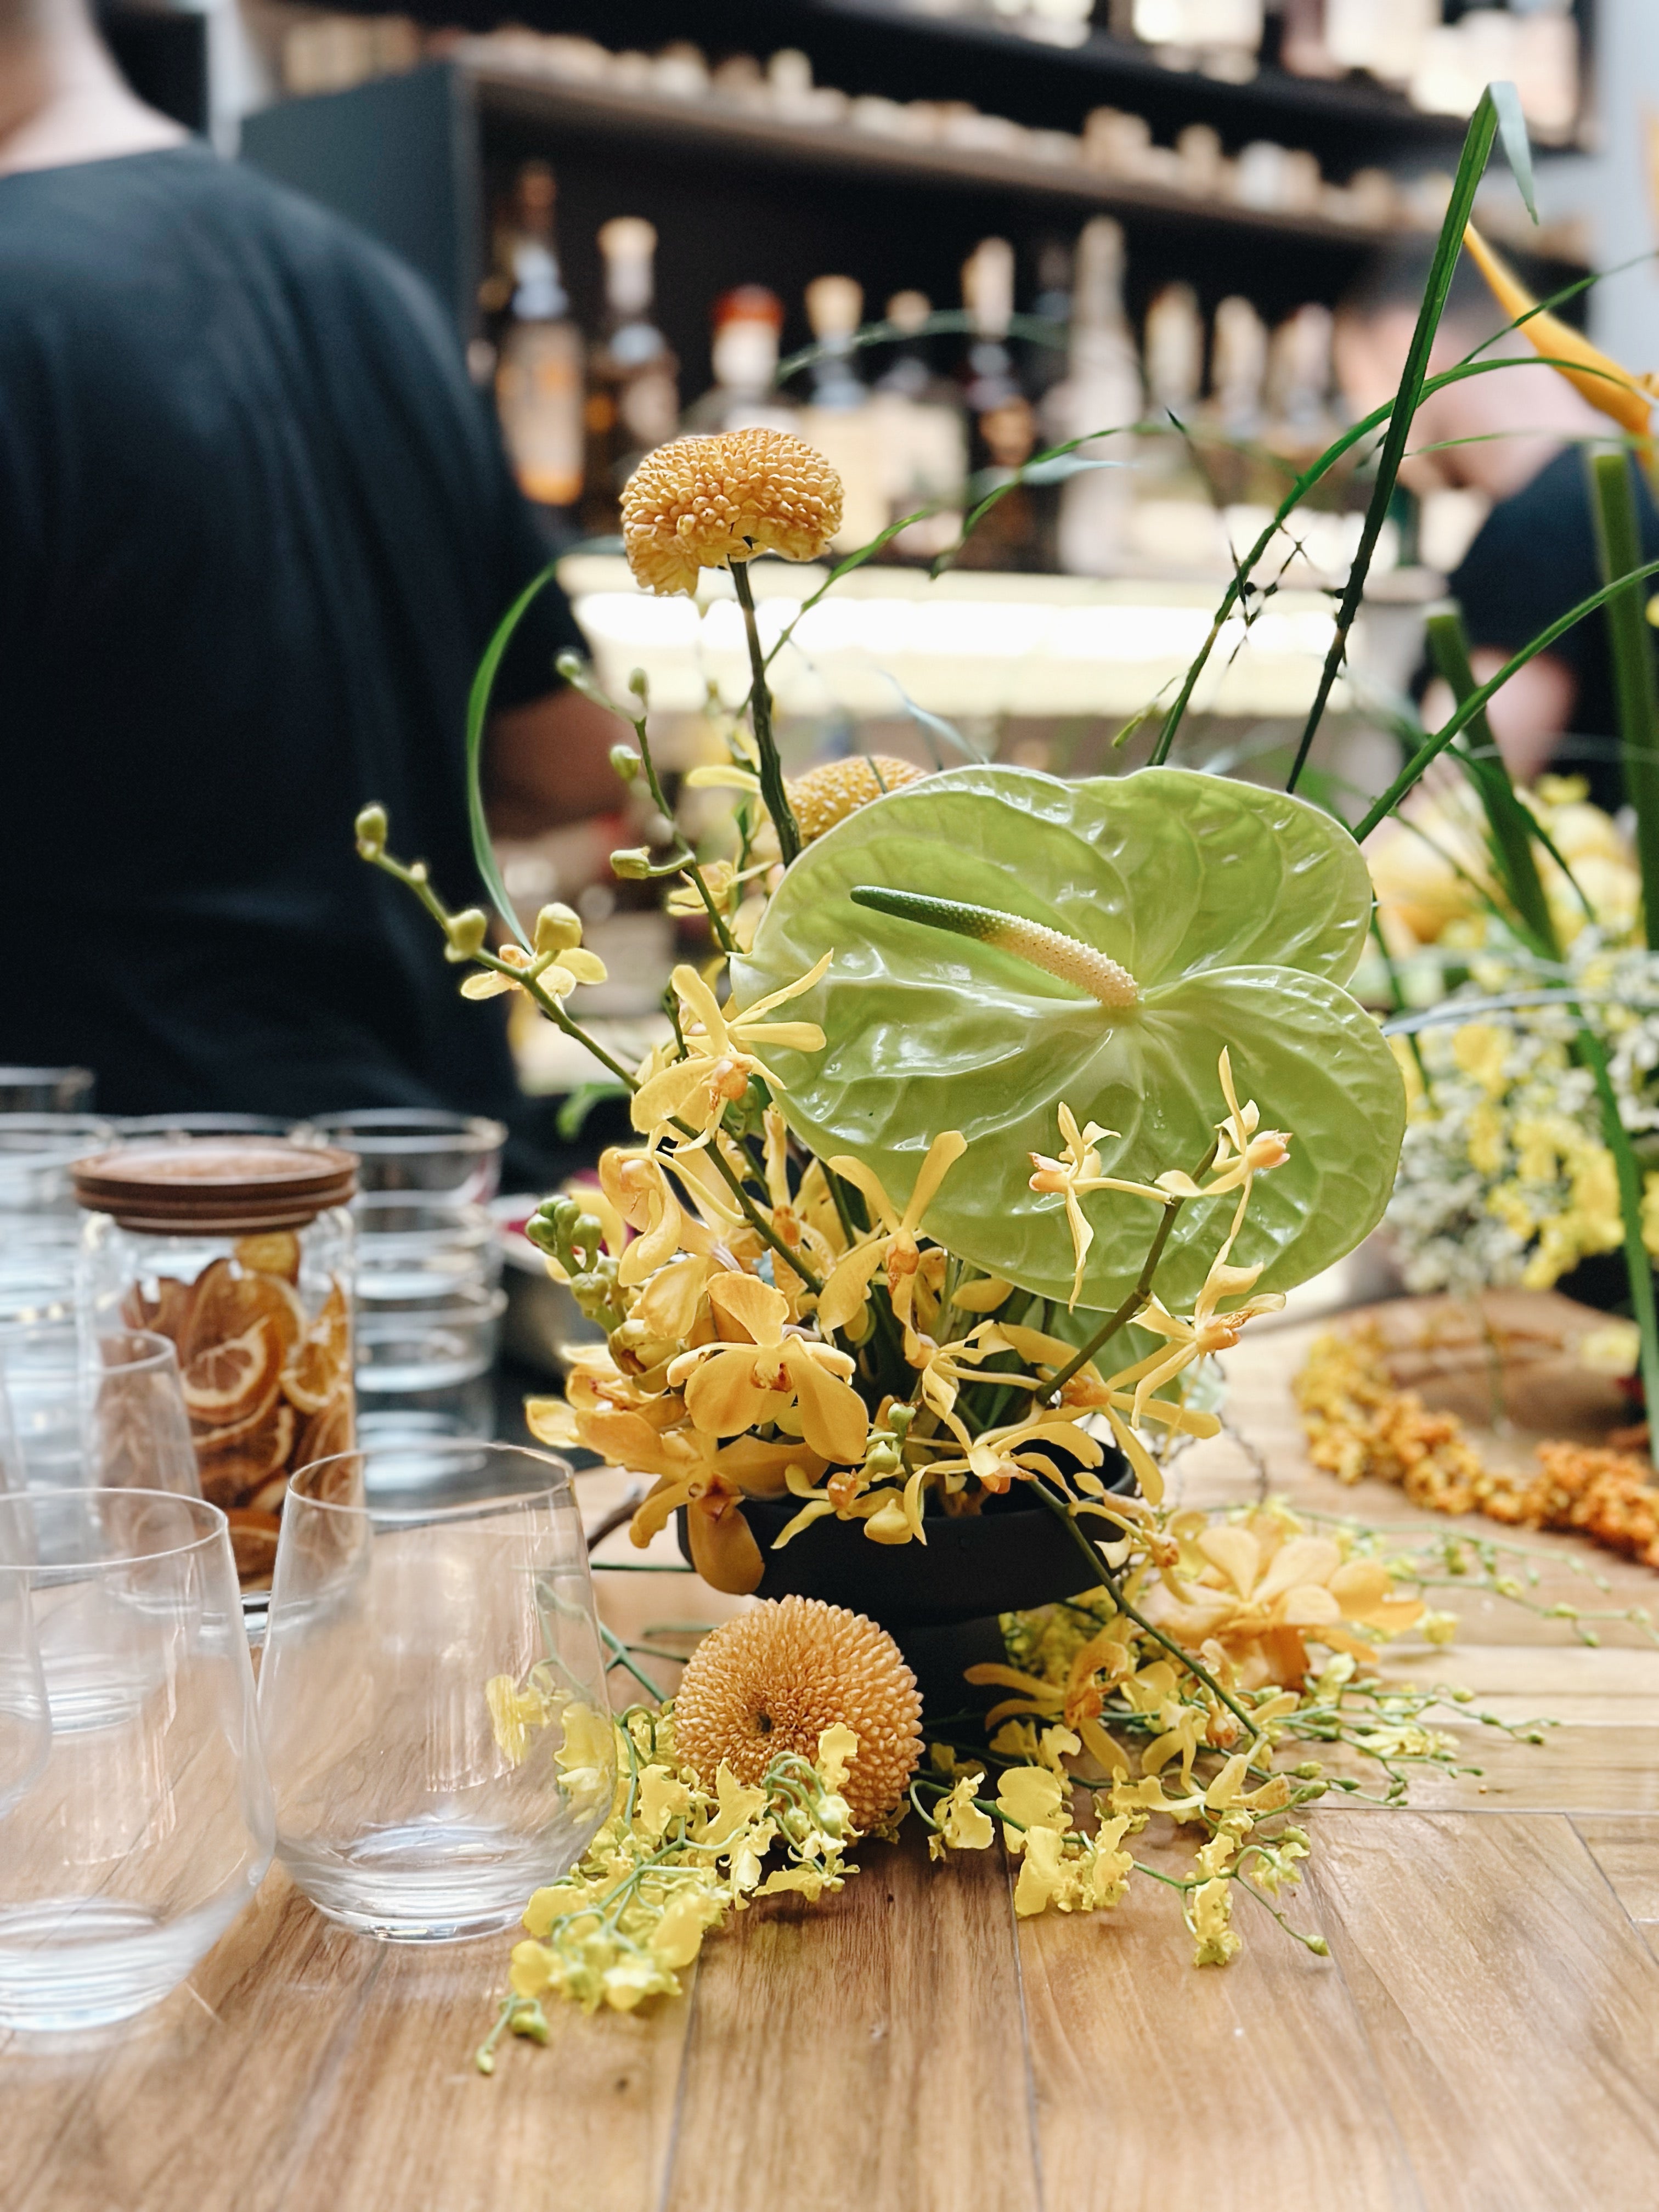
[1076,1172]
[720,1048]
[892,1243]
[1627,398]
[760,1370]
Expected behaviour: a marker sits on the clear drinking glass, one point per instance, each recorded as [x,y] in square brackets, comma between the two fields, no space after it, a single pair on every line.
[45,1090]
[432,1693]
[92,1410]
[146,1825]
[453,1156]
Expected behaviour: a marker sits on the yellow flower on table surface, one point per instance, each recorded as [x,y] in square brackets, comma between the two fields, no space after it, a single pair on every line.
[720,1053]
[962,1825]
[558,963]
[1263,1588]
[1078,1701]
[760,1370]
[1074,1874]
[891,1244]
[714,502]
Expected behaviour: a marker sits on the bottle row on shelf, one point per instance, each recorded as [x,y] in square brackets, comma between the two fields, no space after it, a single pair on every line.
[1407,45]
[911,430]
[325,53]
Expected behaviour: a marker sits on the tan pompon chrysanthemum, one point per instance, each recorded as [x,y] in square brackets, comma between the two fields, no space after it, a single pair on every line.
[826,795]
[777,1676]
[706,502]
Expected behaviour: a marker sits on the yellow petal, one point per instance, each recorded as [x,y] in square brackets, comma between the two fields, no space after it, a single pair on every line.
[586,967]
[983,1296]
[1611,390]
[834,1421]
[750,1305]
[946,1148]
[486,985]
[1236,1553]
[665,1094]
[844,1294]
[723,1397]
[723,1549]
[748,1014]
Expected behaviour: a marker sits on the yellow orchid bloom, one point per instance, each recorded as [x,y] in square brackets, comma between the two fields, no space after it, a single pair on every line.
[1206,1332]
[1243,1151]
[720,1053]
[1076,1172]
[1078,1701]
[1627,400]
[558,963]
[760,1370]
[892,1243]
[1263,1588]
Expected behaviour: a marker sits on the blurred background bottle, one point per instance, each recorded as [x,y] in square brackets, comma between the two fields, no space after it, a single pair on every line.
[1102,388]
[747,322]
[922,429]
[538,368]
[633,386]
[1003,421]
[838,418]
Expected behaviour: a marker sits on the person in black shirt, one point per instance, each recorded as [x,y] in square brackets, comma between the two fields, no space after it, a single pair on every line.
[256,528]
[1519,437]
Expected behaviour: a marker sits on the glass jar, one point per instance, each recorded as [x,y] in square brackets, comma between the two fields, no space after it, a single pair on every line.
[241,1250]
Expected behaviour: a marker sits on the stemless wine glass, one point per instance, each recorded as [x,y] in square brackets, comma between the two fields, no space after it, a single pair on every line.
[24,1721]
[147,1826]
[432,1692]
[104,1411]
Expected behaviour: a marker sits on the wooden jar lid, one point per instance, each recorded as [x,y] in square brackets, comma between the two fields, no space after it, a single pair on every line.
[214,1185]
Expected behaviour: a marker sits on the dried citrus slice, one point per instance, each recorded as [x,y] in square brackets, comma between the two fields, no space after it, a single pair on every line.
[227,1303]
[275,1253]
[167,1313]
[321,1361]
[227,1380]
[237,1459]
[331,1432]
[253,1540]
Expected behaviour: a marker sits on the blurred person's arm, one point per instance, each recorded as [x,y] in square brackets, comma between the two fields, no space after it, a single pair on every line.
[1528,718]
[549,762]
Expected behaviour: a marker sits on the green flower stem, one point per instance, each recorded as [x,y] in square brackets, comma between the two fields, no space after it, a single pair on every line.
[1638,1263]
[685,862]
[1137,1298]
[1104,1577]
[760,708]
[1618,537]
[1317,1944]
[618,1651]
[1472,162]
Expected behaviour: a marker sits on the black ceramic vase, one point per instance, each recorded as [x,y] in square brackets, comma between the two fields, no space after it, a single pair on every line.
[940,1603]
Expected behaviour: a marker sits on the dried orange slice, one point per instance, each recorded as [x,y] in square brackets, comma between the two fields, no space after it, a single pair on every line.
[332,1431]
[227,1303]
[237,1458]
[321,1362]
[167,1313]
[227,1380]
[275,1253]
[253,1540]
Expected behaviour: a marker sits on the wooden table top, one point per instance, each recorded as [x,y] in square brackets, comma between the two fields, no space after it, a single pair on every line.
[1483,2038]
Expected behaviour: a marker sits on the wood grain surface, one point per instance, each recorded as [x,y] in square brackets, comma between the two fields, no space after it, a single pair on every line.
[1483,2038]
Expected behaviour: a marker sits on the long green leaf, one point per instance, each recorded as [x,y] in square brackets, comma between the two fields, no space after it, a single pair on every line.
[477,715]
[1637,1262]
[1619,537]
[1509,826]
[1512,128]
[1432,748]
[1471,166]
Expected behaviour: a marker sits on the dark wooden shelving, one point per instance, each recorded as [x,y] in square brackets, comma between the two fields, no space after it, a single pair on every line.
[724,128]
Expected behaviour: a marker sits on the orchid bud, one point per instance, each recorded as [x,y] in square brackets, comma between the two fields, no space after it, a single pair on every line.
[558,927]
[626,762]
[637,685]
[372,826]
[466,932]
[632,863]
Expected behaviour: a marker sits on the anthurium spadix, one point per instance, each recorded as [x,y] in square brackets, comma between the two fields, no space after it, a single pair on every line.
[1188,914]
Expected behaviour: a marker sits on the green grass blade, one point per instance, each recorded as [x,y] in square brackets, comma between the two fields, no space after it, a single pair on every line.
[1509,824]
[1619,535]
[1432,748]
[1517,149]
[1477,147]
[1636,1259]
[477,715]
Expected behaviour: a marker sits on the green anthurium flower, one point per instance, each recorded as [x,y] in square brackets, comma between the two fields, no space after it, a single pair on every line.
[1188,914]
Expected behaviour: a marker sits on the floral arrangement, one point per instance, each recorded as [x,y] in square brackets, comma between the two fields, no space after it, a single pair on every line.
[1505,1175]
[998,1103]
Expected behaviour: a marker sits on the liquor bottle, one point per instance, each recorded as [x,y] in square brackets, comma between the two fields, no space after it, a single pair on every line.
[1102,391]
[747,324]
[1239,371]
[1004,433]
[538,371]
[923,433]
[1043,362]
[633,390]
[1174,526]
[1300,385]
[838,419]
